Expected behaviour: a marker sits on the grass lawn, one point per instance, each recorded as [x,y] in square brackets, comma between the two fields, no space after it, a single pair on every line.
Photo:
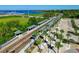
[12,18]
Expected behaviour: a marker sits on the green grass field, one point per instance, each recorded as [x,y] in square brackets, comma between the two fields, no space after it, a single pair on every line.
[13,18]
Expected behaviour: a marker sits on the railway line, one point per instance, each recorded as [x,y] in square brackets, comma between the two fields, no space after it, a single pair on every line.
[14,45]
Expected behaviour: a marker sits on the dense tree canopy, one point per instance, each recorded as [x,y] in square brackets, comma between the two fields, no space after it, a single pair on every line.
[66,13]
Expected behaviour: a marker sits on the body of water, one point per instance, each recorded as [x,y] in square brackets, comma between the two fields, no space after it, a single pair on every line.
[20,12]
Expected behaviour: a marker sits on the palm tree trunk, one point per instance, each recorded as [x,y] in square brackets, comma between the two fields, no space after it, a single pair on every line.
[57,50]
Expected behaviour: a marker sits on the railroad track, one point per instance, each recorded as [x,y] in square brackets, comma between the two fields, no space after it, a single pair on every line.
[19,42]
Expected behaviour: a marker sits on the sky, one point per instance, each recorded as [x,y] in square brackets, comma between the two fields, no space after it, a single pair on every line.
[38,7]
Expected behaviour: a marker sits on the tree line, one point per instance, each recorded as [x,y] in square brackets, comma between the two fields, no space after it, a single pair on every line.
[66,13]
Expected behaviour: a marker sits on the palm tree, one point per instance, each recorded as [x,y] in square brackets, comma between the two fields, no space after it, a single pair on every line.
[58,45]
[68,36]
[62,31]
[58,42]
[59,39]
